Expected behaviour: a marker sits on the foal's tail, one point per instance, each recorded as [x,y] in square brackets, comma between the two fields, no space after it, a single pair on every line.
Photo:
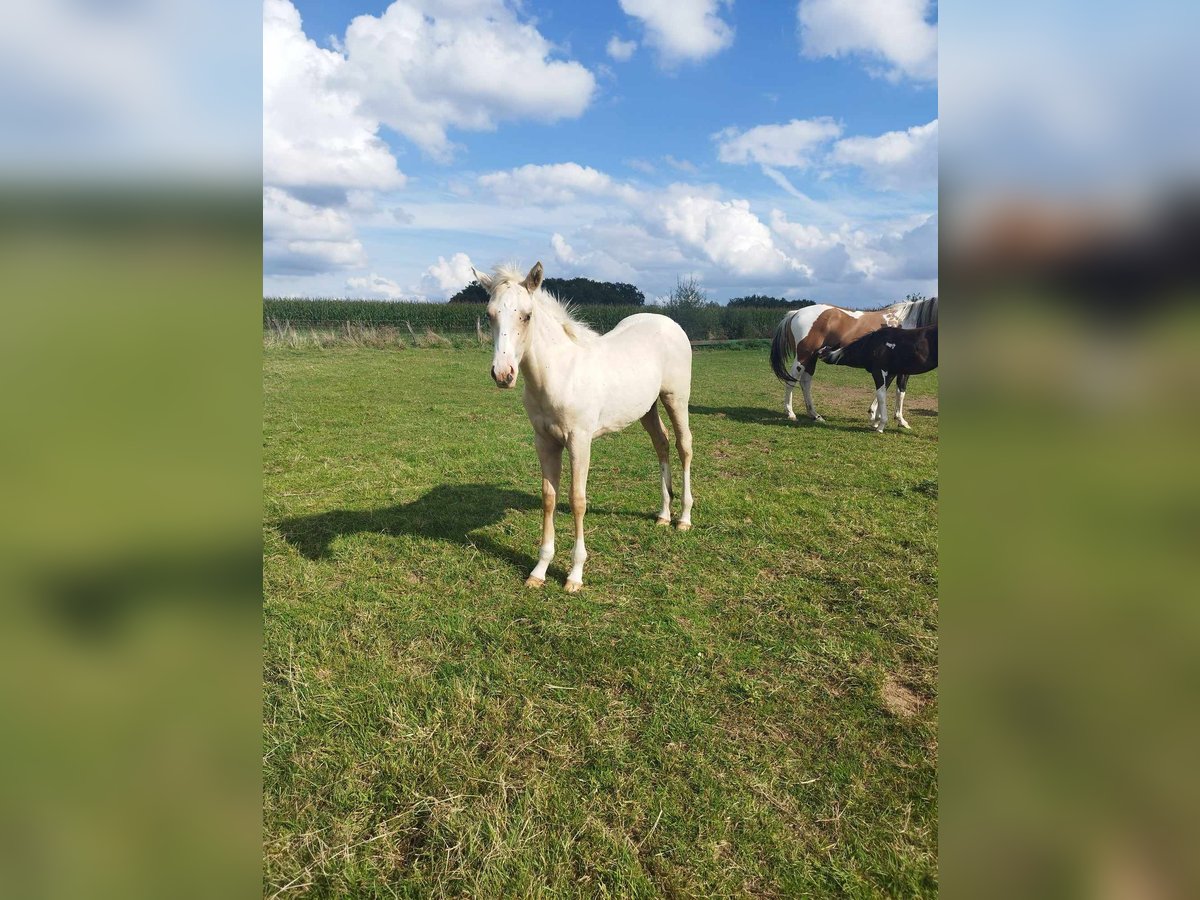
[783,348]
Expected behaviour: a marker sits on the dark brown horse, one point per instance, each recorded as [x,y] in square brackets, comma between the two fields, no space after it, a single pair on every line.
[889,353]
[803,333]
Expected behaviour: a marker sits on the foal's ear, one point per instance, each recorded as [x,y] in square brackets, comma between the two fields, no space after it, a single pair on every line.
[484,281]
[533,280]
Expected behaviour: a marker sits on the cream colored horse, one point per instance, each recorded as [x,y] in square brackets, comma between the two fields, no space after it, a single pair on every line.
[580,385]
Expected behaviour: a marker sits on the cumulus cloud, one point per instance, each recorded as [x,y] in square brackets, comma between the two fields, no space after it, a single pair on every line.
[899,252]
[425,66]
[621,51]
[793,144]
[726,232]
[564,253]
[681,30]
[894,34]
[314,131]
[897,160]
[448,276]
[303,238]
[557,183]
[374,285]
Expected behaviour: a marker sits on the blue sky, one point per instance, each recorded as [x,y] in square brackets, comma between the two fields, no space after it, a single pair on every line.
[775,148]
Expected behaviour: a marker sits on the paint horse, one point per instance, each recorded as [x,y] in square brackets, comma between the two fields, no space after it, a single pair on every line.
[889,353]
[803,333]
[580,385]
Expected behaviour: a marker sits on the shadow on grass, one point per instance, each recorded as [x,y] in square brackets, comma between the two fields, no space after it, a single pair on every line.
[449,512]
[755,415]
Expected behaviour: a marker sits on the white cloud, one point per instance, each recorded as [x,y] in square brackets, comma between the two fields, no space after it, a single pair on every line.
[564,253]
[300,237]
[681,30]
[621,51]
[553,184]
[641,165]
[314,132]
[683,165]
[592,264]
[896,33]
[793,144]
[375,286]
[726,233]
[899,252]
[425,66]
[448,276]
[897,160]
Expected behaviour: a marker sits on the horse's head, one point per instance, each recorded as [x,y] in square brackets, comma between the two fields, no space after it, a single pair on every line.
[510,310]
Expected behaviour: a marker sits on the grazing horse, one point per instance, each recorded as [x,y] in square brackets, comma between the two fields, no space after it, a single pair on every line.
[889,353]
[580,385]
[804,332]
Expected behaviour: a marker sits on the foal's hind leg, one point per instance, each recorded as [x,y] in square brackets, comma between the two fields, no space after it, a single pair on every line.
[677,409]
[662,446]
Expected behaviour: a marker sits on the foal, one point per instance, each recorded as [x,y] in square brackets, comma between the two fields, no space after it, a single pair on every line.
[580,385]
[889,353]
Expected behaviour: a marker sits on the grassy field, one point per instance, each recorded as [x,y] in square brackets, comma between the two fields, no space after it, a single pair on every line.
[746,709]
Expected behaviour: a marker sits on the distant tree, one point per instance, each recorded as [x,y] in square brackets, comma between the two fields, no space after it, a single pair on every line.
[585,292]
[472,293]
[581,291]
[760,301]
[914,298]
[688,294]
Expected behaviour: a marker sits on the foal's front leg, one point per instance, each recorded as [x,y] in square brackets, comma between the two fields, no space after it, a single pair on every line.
[880,400]
[550,455]
[580,449]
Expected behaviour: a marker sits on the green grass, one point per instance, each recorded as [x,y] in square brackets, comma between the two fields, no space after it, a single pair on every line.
[747,709]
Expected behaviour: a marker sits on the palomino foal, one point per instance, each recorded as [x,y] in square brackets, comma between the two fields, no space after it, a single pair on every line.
[580,385]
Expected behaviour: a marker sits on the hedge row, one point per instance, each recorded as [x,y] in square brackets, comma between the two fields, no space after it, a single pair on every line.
[700,323]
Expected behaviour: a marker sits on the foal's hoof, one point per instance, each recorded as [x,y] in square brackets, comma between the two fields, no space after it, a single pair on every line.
[573,587]
[820,419]
[684,526]
[534,582]
[662,520]
[791,417]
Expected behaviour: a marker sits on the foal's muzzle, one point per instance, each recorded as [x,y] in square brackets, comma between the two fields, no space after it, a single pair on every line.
[504,377]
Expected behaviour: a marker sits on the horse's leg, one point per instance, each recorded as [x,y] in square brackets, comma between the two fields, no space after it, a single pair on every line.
[550,455]
[901,387]
[788,387]
[662,446]
[881,398]
[806,377]
[580,449]
[677,409]
[875,402]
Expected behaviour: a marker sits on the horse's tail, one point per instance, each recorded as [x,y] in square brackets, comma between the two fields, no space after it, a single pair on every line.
[783,348]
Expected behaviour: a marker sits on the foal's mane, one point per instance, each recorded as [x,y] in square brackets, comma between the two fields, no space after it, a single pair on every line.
[545,302]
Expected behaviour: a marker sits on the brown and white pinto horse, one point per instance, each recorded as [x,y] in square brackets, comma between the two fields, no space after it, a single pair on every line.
[804,333]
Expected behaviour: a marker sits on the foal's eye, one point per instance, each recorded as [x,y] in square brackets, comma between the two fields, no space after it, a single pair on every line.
[525,318]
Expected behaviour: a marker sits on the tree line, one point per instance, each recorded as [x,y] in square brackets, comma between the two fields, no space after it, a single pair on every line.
[581,291]
[586,292]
